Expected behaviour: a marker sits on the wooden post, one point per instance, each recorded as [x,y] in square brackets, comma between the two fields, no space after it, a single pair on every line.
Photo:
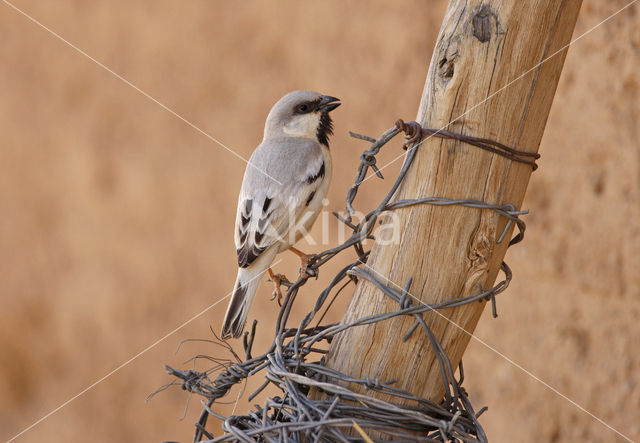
[493,74]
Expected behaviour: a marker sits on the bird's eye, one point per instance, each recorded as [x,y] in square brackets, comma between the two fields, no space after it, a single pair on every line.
[303,108]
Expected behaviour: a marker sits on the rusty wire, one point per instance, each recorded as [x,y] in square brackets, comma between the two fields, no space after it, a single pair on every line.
[294,362]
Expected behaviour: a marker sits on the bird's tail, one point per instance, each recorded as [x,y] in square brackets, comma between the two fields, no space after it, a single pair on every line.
[244,291]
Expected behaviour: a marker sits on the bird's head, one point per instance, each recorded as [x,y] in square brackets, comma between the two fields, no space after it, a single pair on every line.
[302,114]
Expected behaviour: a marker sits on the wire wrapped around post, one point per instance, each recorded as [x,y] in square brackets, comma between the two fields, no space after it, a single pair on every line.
[294,362]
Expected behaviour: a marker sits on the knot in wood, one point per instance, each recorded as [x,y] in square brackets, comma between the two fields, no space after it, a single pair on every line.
[448,59]
[481,247]
[483,22]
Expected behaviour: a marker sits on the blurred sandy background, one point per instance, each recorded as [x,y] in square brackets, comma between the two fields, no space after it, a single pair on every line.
[116,217]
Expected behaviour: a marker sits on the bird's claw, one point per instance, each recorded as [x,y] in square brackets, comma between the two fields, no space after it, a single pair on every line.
[277,280]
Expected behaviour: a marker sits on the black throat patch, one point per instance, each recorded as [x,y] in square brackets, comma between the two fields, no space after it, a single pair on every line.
[325,129]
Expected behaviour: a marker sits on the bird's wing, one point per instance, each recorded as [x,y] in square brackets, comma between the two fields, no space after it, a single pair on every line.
[278,185]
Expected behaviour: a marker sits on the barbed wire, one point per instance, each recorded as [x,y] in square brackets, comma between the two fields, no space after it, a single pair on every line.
[294,362]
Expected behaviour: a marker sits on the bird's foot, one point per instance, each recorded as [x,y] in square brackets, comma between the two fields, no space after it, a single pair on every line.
[278,280]
[305,259]
[305,271]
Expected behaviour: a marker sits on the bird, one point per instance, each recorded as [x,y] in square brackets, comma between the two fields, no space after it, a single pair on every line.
[282,193]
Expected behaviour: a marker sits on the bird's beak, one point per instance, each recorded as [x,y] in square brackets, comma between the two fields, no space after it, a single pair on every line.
[328,103]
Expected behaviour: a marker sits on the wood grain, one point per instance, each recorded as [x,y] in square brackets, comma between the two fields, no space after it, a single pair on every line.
[493,74]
